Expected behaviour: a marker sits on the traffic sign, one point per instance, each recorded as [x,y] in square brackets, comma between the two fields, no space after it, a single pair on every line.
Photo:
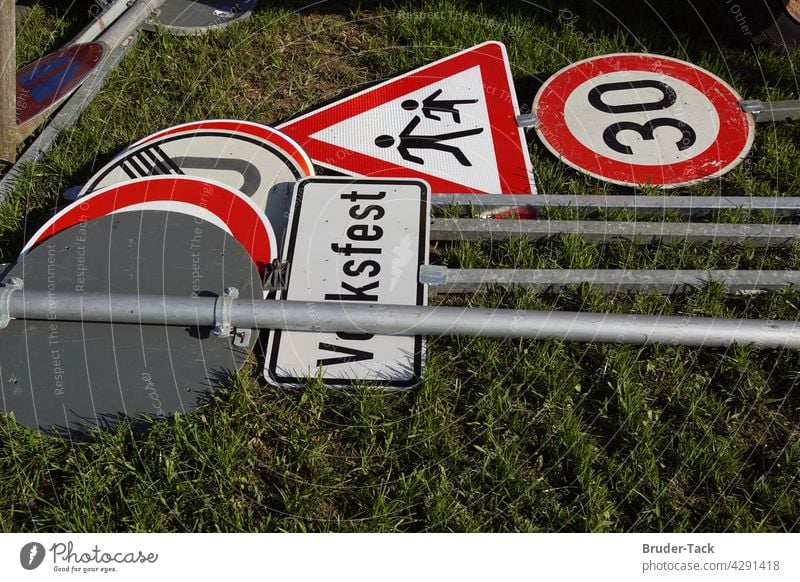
[185,17]
[451,123]
[45,83]
[260,131]
[635,119]
[68,377]
[353,241]
[205,200]
[252,158]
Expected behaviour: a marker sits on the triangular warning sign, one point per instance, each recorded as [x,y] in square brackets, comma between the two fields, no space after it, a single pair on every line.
[452,123]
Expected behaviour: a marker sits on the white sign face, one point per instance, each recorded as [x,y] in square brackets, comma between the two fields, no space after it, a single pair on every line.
[466,152]
[353,241]
[248,160]
[669,145]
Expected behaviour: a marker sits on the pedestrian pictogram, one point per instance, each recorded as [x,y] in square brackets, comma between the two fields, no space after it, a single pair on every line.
[410,141]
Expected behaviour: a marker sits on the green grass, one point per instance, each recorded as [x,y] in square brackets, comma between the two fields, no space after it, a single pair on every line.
[502,435]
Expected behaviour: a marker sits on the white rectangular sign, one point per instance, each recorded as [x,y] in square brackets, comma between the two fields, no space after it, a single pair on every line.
[355,241]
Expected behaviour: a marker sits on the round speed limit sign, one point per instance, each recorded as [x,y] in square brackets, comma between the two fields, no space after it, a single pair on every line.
[635,119]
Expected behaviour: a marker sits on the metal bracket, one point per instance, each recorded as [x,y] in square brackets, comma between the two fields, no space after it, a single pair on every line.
[527,120]
[222,312]
[433,274]
[241,337]
[277,276]
[13,284]
[752,106]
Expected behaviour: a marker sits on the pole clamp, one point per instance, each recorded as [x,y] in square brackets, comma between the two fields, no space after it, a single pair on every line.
[222,312]
[528,120]
[752,106]
[13,284]
[433,274]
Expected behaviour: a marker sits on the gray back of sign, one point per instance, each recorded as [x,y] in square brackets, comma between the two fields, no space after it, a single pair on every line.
[185,17]
[68,377]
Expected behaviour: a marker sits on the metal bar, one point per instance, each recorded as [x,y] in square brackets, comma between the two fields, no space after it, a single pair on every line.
[767,111]
[67,116]
[761,235]
[8,82]
[129,22]
[688,205]
[102,18]
[675,282]
[405,320]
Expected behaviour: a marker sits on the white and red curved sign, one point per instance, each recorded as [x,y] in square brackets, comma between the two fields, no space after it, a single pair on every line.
[206,200]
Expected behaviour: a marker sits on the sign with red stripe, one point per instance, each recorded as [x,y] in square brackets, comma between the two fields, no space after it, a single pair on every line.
[263,132]
[205,200]
[452,123]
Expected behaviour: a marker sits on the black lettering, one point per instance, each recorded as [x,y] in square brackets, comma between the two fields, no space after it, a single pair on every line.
[668,99]
[379,212]
[647,132]
[363,229]
[355,355]
[352,271]
[358,293]
[355,196]
[349,249]
[360,337]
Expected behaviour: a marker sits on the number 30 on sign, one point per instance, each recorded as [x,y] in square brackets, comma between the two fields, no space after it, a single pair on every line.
[635,119]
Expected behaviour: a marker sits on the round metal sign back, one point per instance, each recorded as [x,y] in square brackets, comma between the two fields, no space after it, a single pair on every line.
[68,377]
[635,119]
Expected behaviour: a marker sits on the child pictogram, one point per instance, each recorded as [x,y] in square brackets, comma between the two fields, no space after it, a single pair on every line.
[431,106]
[409,141]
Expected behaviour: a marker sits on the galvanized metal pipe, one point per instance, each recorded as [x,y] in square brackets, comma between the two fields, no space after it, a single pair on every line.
[760,235]
[405,320]
[108,14]
[767,111]
[666,282]
[685,205]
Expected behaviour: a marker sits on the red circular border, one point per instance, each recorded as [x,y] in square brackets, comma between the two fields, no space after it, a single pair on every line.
[269,134]
[733,142]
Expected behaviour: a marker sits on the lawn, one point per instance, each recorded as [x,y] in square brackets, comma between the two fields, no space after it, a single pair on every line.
[502,435]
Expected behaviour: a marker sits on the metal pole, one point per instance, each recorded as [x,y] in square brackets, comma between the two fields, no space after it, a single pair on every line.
[766,111]
[129,22]
[761,235]
[685,205]
[103,17]
[665,282]
[8,82]
[400,320]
